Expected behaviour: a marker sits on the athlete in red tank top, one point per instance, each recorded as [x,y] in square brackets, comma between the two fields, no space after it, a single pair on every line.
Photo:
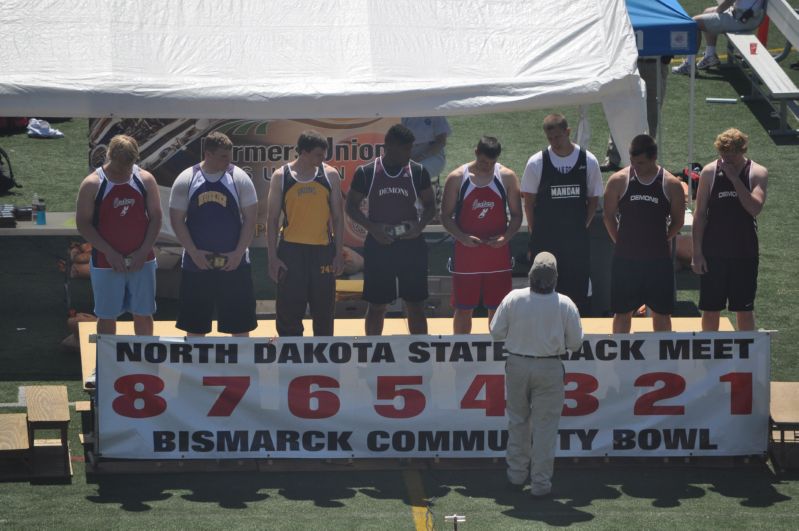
[478,197]
[119,213]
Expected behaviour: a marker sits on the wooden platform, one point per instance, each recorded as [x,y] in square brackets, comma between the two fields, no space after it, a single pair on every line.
[23,456]
[784,408]
[47,404]
[13,436]
[355,327]
[48,408]
[784,419]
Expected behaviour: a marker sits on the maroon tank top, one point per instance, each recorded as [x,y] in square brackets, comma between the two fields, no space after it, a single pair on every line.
[731,232]
[644,212]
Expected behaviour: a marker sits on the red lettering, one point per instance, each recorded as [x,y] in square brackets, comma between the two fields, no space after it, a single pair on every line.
[301,396]
[231,395]
[413,399]
[149,386]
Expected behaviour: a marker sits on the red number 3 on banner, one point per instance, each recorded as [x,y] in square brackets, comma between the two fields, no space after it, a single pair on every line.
[139,396]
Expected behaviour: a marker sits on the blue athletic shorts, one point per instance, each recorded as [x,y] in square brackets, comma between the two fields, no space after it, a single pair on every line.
[117,293]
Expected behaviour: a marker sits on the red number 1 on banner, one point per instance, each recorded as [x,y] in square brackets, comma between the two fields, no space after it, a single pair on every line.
[740,392]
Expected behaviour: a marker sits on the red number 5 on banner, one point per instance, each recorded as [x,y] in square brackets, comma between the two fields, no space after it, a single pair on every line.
[413,399]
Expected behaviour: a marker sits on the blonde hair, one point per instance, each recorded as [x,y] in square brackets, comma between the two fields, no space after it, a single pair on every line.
[732,141]
[216,140]
[555,121]
[122,149]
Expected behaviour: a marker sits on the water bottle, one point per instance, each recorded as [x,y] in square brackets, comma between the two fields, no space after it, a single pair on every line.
[34,207]
[41,213]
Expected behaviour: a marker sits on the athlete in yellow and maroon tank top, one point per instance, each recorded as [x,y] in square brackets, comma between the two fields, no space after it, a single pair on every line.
[306,209]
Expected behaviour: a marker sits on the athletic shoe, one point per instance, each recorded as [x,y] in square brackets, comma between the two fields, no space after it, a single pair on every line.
[683,69]
[607,165]
[707,62]
[514,487]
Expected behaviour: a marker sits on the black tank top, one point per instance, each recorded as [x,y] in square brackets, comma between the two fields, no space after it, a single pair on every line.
[392,198]
[731,232]
[644,212]
[561,205]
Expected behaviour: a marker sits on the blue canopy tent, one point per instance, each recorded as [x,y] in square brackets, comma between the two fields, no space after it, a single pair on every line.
[662,27]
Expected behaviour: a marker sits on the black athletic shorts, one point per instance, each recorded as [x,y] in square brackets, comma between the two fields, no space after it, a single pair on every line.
[402,263]
[637,282]
[309,280]
[229,292]
[730,281]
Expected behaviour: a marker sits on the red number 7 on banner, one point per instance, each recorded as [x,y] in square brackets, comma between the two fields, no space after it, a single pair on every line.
[233,392]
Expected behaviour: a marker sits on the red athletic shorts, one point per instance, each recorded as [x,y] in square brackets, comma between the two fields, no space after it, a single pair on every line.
[467,288]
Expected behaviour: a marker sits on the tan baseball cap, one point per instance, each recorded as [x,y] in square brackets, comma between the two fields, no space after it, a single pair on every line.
[544,271]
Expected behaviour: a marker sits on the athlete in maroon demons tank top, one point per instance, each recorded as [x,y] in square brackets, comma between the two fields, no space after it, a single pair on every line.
[395,262]
[643,219]
[644,210]
[392,198]
[731,231]
[731,194]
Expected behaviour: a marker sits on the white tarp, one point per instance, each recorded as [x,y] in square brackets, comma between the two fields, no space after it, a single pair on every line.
[640,395]
[310,59]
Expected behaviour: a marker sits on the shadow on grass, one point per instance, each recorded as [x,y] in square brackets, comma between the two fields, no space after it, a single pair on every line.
[239,490]
[576,490]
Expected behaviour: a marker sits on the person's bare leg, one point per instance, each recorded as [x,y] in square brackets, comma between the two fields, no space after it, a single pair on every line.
[417,320]
[745,320]
[375,316]
[661,322]
[143,325]
[622,322]
[462,321]
[106,326]
[710,321]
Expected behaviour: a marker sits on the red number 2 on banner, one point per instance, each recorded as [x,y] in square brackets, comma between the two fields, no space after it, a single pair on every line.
[673,385]
[231,395]
[139,390]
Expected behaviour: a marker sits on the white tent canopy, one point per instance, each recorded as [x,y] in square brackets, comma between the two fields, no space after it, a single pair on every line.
[311,59]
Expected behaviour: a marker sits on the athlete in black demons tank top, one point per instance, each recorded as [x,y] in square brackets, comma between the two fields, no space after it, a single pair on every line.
[644,209]
[731,231]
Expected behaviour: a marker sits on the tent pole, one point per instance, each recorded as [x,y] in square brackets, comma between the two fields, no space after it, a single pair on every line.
[658,102]
[691,117]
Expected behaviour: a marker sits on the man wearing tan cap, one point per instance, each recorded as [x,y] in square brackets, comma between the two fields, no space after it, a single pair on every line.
[538,326]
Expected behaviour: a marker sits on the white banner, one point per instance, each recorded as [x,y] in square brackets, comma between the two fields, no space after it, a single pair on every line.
[665,394]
